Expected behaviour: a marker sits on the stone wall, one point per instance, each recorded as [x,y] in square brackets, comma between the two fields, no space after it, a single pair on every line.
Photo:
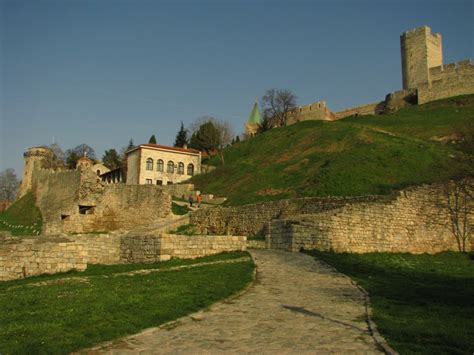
[252,219]
[75,202]
[22,257]
[447,81]
[412,223]
[374,108]
[313,111]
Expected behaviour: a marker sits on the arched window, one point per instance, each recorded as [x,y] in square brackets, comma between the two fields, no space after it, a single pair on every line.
[159,165]
[149,164]
[190,169]
[170,168]
[181,168]
[98,172]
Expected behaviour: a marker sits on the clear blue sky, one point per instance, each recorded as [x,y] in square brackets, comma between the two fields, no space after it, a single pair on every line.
[101,72]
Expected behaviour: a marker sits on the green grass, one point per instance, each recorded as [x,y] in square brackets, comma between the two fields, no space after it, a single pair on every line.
[187,229]
[179,210]
[67,315]
[23,217]
[350,157]
[423,304]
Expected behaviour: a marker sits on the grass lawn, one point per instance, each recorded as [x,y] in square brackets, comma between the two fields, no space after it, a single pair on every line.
[421,303]
[67,312]
[179,210]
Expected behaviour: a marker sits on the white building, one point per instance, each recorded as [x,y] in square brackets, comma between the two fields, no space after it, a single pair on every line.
[161,165]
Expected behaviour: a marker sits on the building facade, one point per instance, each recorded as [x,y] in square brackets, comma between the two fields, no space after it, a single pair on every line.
[161,165]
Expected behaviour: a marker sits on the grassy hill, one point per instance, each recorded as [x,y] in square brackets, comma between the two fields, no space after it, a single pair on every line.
[350,157]
[23,217]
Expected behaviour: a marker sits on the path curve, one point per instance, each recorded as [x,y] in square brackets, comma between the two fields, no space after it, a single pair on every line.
[297,304]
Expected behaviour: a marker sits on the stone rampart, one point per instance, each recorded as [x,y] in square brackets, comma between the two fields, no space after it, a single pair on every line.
[252,219]
[374,108]
[75,202]
[447,81]
[412,223]
[313,111]
[23,257]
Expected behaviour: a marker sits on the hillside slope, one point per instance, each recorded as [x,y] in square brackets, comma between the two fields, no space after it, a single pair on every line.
[350,157]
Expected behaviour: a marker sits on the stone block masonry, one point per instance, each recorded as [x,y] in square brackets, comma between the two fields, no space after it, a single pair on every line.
[23,257]
[411,223]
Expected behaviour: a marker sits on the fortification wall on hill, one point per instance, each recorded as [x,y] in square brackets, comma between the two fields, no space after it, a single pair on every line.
[447,81]
[373,108]
[313,111]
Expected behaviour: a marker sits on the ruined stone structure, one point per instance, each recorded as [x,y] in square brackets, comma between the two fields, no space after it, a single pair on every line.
[77,201]
[23,257]
[411,221]
[313,111]
[155,164]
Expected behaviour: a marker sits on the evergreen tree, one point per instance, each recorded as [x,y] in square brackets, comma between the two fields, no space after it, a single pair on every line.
[237,139]
[130,145]
[181,137]
[152,139]
[112,159]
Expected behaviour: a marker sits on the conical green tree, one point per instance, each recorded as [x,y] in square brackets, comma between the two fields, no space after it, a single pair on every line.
[152,139]
[182,137]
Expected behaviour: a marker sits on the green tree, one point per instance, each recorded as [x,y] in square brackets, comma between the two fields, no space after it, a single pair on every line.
[152,139]
[211,135]
[182,137]
[73,155]
[112,159]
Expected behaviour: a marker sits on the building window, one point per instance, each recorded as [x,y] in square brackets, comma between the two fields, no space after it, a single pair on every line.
[159,165]
[149,164]
[170,167]
[149,181]
[181,168]
[159,182]
[190,169]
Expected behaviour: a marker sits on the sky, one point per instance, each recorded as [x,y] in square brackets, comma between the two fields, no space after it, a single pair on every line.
[102,72]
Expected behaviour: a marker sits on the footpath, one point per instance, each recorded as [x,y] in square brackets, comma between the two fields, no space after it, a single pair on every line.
[296,305]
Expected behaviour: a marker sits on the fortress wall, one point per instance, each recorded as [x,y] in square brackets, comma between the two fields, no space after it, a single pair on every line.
[253,219]
[75,202]
[119,207]
[411,223]
[23,257]
[362,110]
[447,81]
[313,111]
[154,248]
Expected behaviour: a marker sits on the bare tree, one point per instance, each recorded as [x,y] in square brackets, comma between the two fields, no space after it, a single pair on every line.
[457,199]
[278,105]
[8,185]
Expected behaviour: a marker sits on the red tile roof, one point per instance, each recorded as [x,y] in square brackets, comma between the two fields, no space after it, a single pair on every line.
[177,149]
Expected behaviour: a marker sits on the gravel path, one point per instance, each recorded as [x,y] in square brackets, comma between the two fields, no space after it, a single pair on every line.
[296,305]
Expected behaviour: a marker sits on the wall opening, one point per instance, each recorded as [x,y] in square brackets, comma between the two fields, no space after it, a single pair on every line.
[64,217]
[86,209]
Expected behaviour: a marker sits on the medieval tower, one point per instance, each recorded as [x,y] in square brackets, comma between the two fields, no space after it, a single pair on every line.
[421,50]
[36,158]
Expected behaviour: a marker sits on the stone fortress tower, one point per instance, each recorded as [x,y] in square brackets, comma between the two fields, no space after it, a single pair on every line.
[420,50]
[36,158]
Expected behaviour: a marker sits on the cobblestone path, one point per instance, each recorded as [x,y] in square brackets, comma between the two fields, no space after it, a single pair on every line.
[296,305]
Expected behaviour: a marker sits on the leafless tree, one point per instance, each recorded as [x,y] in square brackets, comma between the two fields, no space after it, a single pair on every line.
[8,185]
[457,199]
[278,105]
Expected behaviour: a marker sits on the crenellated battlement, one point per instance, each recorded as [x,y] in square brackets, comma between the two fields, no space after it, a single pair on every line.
[459,67]
[421,30]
